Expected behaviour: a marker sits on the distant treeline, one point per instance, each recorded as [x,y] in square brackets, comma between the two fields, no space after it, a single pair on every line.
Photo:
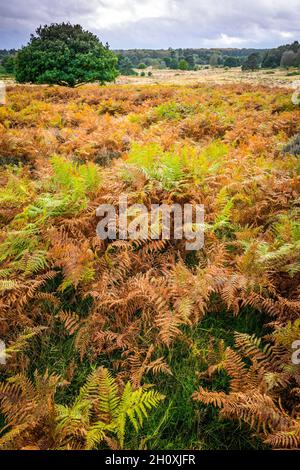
[195,56]
[184,59]
[7,61]
[190,59]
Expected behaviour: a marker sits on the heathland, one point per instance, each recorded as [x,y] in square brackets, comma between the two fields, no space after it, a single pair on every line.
[142,344]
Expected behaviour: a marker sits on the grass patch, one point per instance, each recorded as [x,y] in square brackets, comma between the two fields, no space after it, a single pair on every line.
[181,423]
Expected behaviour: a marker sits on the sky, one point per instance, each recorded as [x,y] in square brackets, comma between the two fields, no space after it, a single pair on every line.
[155,24]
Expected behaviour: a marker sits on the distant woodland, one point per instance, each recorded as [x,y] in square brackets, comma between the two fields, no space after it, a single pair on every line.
[189,59]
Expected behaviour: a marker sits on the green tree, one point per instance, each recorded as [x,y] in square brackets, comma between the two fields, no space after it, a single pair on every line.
[232,61]
[65,54]
[251,63]
[190,60]
[168,61]
[125,66]
[273,57]
[174,64]
[9,63]
[297,58]
[142,66]
[183,65]
[157,63]
[287,59]
[214,60]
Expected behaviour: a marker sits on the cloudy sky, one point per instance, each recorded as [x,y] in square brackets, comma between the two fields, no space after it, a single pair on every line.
[159,23]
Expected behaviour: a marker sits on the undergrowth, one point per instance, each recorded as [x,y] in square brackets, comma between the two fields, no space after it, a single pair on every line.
[141,344]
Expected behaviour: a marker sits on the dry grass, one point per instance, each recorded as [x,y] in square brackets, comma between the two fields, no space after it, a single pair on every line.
[271,78]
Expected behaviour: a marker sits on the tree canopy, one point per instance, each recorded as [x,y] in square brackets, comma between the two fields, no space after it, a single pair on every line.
[251,63]
[273,58]
[65,54]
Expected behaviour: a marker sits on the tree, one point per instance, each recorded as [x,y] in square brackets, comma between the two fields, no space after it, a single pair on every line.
[273,57]
[65,54]
[214,60]
[174,64]
[190,60]
[142,66]
[9,63]
[125,66]
[251,63]
[232,61]
[287,59]
[297,58]
[157,63]
[167,61]
[183,65]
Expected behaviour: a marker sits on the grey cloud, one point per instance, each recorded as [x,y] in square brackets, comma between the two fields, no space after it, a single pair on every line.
[182,23]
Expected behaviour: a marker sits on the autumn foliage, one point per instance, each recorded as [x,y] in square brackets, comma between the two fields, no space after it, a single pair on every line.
[122,307]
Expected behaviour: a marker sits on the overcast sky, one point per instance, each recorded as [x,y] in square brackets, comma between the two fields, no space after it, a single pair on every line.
[159,23]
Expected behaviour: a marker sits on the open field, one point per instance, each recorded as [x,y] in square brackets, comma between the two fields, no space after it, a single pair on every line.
[267,77]
[210,76]
[211,329]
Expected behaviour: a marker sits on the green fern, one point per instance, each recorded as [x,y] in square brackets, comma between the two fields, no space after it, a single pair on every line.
[101,413]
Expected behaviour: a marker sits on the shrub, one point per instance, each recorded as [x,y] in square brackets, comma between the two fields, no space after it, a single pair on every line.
[292,74]
[183,65]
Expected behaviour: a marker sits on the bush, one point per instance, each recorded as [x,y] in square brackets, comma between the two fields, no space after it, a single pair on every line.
[293,74]
[183,65]
[65,54]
